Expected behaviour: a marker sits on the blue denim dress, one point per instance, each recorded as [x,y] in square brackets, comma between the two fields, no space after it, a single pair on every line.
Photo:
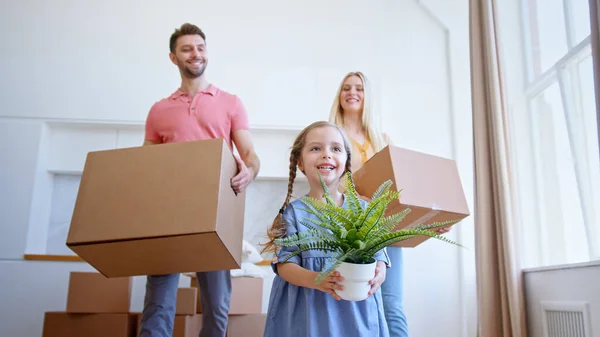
[301,312]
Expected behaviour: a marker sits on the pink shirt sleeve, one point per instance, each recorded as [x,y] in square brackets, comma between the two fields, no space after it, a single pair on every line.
[151,133]
[239,118]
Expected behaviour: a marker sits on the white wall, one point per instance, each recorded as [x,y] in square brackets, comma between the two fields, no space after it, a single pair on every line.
[80,76]
[452,16]
[562,286]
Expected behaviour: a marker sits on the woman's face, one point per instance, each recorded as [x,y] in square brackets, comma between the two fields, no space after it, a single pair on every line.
[352,94]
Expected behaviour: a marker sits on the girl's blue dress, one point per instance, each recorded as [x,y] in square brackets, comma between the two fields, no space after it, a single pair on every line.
[302,312]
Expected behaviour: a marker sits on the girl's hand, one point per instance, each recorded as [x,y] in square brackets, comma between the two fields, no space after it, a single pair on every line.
[379,278]
[328,285]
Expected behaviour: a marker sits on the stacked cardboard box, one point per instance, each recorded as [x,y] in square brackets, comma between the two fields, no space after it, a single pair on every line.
[96,306]
[245,309]
[99,306]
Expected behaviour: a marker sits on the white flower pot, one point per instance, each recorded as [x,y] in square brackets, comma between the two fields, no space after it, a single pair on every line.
[356,280]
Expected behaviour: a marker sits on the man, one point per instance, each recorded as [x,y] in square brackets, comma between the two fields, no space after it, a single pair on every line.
[197,110]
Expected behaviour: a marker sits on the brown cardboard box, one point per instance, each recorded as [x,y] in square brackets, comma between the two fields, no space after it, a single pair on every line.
[62,324]
[247,326]
[183,326]
[246,295]
[186,301]
[430,186]
[94,293]
[159,209]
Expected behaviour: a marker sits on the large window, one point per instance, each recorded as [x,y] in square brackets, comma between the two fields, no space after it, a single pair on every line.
[563,201]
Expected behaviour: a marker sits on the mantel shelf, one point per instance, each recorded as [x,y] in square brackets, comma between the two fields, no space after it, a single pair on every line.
[299,176]
[75,258]
[139,125]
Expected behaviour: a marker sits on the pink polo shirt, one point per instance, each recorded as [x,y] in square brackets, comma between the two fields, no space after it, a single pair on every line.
[212,113]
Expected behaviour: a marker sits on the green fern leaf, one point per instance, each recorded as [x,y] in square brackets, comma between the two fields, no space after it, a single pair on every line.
[324,220]
[305,249]
[334,213]
[391,238]
[436,225]
[350,191]
[389,223]
[326,193]
[382,189]
[373,214]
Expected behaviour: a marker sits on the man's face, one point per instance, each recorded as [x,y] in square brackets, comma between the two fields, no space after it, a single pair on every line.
[190,56]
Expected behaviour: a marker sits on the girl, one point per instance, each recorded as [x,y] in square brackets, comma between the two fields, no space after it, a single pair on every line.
[351,110]
[297,306]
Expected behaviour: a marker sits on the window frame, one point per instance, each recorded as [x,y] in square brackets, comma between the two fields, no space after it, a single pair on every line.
[560,73]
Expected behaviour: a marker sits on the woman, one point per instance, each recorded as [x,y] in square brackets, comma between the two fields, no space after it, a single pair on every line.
[351,110]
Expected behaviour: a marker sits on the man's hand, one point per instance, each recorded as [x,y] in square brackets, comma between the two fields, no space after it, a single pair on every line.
[243,178]
[248,165]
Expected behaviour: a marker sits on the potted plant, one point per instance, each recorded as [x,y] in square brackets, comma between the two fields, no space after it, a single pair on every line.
[353,236]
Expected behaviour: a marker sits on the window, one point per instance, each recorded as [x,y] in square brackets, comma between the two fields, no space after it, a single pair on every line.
[562,142]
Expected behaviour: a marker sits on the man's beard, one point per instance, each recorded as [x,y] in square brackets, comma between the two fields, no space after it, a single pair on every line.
[193,73]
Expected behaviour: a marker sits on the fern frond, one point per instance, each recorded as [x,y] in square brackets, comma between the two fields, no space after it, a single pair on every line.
[391,238]
[310,226]
[307,237]
[335,213]
[382,189]
[373,214]
[318,246]
[324,220]
[350,191]
[395,218]
[388,223]
[294,239]
[326,193]
[313,222]
[436,225]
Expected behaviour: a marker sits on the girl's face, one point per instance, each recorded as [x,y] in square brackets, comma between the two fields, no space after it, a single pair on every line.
[352,94]
[323,153]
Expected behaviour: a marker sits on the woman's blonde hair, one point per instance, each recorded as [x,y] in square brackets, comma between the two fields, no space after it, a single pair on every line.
[279,228]
[337,113]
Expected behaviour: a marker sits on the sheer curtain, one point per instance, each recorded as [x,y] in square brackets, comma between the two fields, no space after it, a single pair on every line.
[499,287]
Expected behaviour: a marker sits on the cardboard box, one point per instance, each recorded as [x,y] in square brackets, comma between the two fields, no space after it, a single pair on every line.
[246,295]
[186,301]
[94,293]
[159,209]
[184,325]
[62,324]
[247,325]
[430,186]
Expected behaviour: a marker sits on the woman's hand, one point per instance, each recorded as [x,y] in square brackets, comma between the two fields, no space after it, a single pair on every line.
[443,230]
[380,272]
[329,285]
